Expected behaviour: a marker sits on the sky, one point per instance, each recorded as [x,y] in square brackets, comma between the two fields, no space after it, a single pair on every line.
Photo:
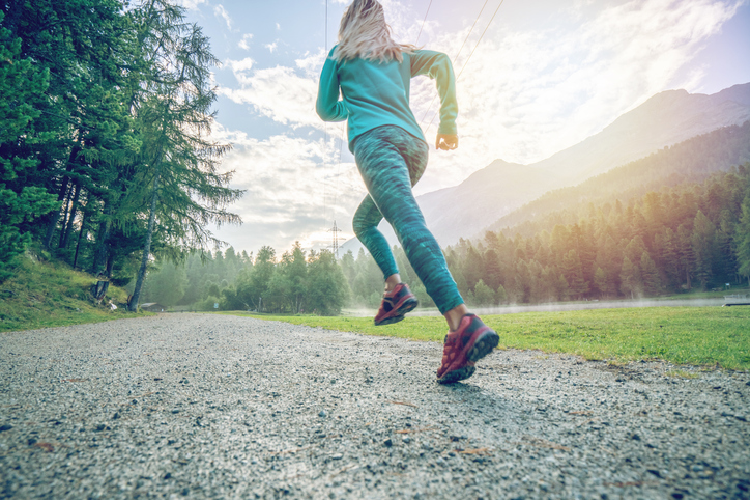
[536,78]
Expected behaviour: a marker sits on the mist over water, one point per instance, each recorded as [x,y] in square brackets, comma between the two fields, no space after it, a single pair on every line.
[573,306]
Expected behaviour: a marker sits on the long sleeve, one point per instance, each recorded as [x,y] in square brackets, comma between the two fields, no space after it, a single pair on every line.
[328,106]
[438,66]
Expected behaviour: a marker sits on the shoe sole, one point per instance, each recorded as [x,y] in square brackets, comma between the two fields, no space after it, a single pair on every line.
[458,375]
[483,345]
[406,306]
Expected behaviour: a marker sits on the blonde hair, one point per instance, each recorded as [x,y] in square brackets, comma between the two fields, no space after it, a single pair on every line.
[363,33]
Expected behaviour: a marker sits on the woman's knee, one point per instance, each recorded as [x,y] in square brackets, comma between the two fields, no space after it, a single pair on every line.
[360,226]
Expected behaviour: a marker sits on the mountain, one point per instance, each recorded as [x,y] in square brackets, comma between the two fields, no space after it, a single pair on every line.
[687,163]
[667,118]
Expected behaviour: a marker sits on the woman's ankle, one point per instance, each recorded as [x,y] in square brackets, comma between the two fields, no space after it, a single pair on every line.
[453,317]
[391,282]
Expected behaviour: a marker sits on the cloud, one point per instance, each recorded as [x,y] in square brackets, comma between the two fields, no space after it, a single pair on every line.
[220,11]
[244,42]
[523,96]
[241,67]
[278,93]
[526,95]
[312,64]
[190,4]
[292,194]
[271,47]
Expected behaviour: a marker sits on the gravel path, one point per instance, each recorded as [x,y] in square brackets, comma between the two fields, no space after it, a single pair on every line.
[213,406]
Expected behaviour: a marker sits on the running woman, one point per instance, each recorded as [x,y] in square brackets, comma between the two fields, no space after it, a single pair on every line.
[373,73]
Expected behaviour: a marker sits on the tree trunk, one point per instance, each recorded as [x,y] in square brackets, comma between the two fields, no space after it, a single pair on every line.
[80,237]
[72,216]
[66,206]
[56,217]
[110,264]
[133,306]
[61,196]
[100,253]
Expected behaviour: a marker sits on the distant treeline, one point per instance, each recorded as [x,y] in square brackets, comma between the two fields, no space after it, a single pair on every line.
[665,242]
[296,282]
[693,236]
[105,108]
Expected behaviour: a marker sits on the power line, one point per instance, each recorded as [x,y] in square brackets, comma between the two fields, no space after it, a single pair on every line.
[455,58]
[468,58]
[480,39]
[326,33]
[472,28]
[423,21]
[325,124]
[337,174]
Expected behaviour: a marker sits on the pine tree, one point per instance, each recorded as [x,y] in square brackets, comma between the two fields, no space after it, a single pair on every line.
[473,266]
[572,269]
[652,284]
[602,283]
[501,295]
[742,236]
[328,289]
[632,283]
[684,253]
[178,162]
[260,277]
[294,270]
[703,241]
[22,87]
[483,294]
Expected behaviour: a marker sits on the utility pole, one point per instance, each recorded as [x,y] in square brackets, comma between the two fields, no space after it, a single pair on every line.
[335,231]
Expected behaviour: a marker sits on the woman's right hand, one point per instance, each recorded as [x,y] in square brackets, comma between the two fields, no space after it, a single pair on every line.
[446,141]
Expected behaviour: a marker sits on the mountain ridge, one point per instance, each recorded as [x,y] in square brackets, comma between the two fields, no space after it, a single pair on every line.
[667,118]
[689,162]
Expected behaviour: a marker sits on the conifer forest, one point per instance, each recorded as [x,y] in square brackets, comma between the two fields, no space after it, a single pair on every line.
[106,162]
[104,155]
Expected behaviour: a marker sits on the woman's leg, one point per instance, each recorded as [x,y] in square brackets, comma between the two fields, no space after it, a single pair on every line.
[365,225]
[390,162]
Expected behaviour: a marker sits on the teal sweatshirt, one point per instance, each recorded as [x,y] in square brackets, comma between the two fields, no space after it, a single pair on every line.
[376,94]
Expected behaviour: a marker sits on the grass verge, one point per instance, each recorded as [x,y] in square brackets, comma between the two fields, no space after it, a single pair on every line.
[43,294]
[703,336]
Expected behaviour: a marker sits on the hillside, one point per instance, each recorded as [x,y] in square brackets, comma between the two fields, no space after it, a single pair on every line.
[44,292]
[668,118]
[691,161]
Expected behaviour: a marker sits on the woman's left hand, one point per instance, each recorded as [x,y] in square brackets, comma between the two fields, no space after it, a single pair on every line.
[446,141]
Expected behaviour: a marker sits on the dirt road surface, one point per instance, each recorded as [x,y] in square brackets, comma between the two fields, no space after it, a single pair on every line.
[214,406]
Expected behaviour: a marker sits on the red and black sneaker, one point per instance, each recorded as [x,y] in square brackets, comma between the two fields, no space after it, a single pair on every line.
[462,348]
[396,303]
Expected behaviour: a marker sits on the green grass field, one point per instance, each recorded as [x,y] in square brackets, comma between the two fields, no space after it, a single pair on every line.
[703,336]
[43,294]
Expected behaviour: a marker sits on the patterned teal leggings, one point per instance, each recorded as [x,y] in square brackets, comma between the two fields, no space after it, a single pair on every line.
[391,161]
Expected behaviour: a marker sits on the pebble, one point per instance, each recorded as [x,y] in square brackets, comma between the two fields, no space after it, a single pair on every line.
[201,405]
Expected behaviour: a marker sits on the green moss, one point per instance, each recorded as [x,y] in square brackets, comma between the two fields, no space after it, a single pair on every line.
[46,293]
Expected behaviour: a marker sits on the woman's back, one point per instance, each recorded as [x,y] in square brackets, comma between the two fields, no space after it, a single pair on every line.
[376,93]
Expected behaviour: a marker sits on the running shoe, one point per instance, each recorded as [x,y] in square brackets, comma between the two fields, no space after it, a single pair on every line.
[462,348]
[395,304]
